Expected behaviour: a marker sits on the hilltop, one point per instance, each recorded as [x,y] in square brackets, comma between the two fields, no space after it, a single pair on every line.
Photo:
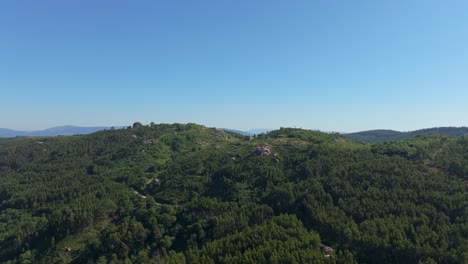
[380,135]
[185,193]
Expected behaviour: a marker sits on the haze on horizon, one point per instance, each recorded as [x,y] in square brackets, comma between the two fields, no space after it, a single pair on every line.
[334,66]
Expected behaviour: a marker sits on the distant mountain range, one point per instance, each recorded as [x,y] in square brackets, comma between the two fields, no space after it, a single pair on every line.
[378,135]
[53,131]
[75,130]
[372,136]
[249,132]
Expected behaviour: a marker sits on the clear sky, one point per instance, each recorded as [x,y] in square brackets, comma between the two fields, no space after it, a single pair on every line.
[328,65]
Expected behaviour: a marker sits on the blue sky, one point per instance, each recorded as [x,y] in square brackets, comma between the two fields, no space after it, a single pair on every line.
[328,65]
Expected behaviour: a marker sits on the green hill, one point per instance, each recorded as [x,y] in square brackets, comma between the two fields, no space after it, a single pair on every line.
[174,193]
[381,135]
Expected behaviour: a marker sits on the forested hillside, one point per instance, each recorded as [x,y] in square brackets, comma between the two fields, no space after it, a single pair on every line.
[380,135]
[190,194]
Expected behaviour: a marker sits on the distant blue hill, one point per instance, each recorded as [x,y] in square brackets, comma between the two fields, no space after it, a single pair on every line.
[257,131]
[5,132]
[53,131]
[244,133]
[249,132]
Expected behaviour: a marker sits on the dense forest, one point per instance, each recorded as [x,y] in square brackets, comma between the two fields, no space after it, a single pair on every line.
[184,193]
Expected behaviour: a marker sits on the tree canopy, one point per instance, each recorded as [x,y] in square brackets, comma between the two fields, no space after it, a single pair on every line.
[184,193]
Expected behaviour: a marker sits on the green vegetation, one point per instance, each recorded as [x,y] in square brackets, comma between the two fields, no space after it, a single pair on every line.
[189,194]
[373,136]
